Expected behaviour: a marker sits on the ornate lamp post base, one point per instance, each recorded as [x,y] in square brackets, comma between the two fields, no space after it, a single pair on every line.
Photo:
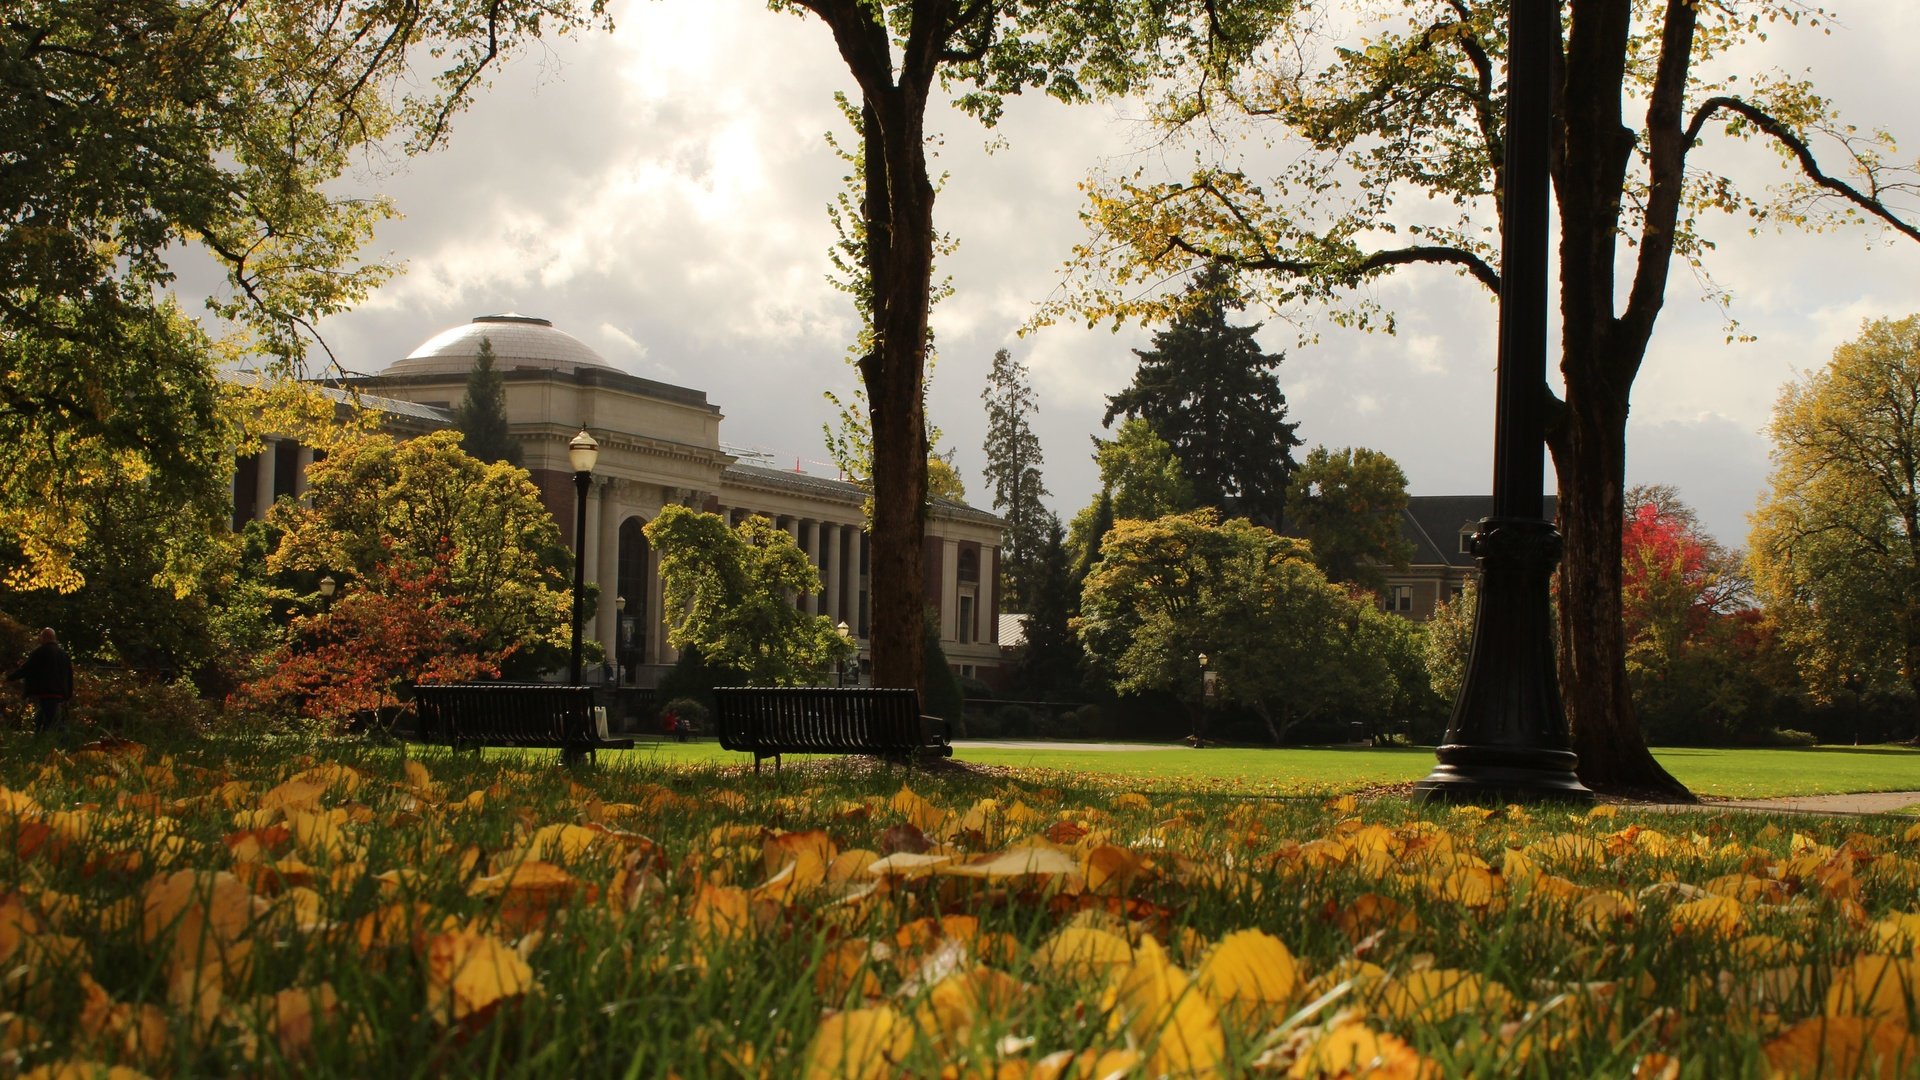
[1508,737]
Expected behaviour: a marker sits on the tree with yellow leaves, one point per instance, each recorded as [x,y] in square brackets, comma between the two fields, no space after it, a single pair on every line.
[1836,541]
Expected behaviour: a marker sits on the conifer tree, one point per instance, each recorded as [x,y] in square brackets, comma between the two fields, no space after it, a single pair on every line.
[1210,392]
[482,415]
[1013,472]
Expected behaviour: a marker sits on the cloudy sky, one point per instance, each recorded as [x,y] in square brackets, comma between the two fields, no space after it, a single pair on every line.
[661,193]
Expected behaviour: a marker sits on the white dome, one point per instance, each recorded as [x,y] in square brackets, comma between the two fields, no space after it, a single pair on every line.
[519,341]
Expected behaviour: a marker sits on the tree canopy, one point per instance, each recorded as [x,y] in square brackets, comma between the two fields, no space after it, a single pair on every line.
[493,546]
[1286,643]
[1140,478]
[1348,504]
[142,132]
[728,594]
[1211,393]
[1836,541]
[1396,155]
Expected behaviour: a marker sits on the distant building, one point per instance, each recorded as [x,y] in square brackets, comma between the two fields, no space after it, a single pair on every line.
[659,445]
[1440,528]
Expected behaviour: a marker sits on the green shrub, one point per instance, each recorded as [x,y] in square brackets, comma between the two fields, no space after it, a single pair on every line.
[691,713]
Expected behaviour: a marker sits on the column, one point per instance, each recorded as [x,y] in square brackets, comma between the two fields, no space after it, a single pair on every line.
[302,461]
[655,616]
[608,544]
[836,609]
[587,548]
[263,478]
[949,589]
[810,546]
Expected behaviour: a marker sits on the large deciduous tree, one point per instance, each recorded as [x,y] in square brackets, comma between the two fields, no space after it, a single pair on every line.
[141,132]
[1013,472]
[1210,392]
[495,547]
[900,52]
[1285,642]
[1403,151]
[1836,541]
[728,594]
[1348,504]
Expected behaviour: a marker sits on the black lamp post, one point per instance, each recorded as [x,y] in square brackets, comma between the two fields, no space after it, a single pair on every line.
[327,587]
[840,665]
[1508,736]
[582,452]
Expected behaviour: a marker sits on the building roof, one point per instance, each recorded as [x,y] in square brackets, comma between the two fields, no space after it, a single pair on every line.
[519,341]
[840,490]
[1432,524]
[430,415]
[1013,630]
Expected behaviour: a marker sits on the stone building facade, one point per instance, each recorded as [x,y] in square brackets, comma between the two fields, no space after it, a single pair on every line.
[659,444]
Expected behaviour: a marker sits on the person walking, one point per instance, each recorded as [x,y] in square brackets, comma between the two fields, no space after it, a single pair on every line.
[46,677]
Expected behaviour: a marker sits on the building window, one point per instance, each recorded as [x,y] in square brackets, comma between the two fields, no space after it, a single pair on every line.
[967,671]
[1466,542]
[969,571]
[1400,598]
[964,633]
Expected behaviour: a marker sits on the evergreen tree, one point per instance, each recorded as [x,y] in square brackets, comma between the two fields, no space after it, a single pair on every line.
[482,415]
[1013,472]
[1053,660]
[1091,525]
[1210,392]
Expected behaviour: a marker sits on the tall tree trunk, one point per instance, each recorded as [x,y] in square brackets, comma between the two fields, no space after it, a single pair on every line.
[899,218]
[1590,460]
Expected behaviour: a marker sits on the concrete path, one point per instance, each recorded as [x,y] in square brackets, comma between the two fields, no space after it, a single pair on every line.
[1866,802]
[1002,744]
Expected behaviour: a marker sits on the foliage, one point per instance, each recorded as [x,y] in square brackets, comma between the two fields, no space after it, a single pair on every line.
[1836,541]
[1348,504]
[1210,392]
[692,677]
[1051,663]
[150,134]
[1450,641]
[728,593]
[1675,579]
[1140,478]
[1286,643]
[481,415]
[1399,162]
[1013,473]
[399,627]
[942,694]
[691,712]
[428,501]
[962,910]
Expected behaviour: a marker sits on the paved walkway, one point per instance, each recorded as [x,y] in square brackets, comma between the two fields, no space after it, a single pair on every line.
[1866,802]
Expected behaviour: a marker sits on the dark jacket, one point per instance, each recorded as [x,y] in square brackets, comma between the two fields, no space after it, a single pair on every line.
[46,673]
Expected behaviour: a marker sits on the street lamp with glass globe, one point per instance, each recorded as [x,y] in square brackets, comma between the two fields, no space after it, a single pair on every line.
[846,635]
[582,453]
[327,587]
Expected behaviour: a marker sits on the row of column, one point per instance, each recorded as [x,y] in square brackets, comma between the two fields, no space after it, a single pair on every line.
[267,471]
[834,549]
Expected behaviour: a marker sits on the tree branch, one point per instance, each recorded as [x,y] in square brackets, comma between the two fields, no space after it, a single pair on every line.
[1802,153]
[1366,264]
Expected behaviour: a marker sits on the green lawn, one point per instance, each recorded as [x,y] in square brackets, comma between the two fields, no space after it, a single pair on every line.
[1727,774]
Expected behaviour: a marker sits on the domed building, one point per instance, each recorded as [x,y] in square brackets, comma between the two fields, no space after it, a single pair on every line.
[660,444]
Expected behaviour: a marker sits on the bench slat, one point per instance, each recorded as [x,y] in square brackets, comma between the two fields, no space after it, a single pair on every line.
[510,714]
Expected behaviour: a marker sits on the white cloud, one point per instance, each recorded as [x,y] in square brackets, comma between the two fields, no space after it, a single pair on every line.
[662,192]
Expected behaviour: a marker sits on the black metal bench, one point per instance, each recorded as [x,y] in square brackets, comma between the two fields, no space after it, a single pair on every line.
[768,721]
[468,716]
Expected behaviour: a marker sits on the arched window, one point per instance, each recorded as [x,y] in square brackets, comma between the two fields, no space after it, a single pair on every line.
[970,566]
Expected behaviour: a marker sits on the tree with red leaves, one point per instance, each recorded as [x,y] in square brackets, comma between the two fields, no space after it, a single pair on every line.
[402,626]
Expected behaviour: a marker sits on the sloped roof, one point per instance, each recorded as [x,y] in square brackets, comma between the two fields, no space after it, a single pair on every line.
[1432,524]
